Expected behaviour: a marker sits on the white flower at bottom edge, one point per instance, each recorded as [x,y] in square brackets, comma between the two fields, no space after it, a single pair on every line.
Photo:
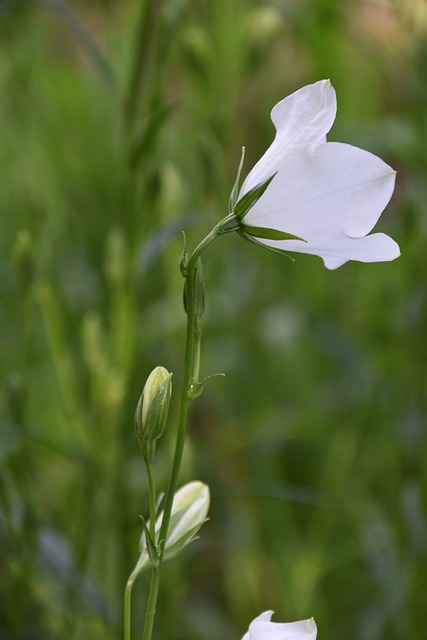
[263,629]
[329,194]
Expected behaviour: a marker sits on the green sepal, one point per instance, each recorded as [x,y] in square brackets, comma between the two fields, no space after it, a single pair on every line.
[269,234]
[151,546]
[184,257]
[250,198]
[235,190]
[265,246]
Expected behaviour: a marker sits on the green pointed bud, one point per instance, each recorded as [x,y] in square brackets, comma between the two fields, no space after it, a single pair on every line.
[153,407]
[189,510]
[22,260]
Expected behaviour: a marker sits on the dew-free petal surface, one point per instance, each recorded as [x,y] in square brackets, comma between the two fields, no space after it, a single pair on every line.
[302,120]
[263,629]
[331,197]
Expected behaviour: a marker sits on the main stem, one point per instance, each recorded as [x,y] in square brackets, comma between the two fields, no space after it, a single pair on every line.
[192,350]
[190,379]
[151,604]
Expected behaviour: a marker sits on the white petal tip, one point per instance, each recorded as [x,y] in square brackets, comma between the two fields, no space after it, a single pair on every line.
[377,247]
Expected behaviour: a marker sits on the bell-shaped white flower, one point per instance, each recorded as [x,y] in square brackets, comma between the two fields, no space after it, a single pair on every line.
[328,194]
[263,629]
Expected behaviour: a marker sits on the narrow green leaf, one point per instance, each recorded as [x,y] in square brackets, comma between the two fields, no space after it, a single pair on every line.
[269,234]
[246,203]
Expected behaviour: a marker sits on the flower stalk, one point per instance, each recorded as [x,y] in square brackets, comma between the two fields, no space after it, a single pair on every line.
[194,302]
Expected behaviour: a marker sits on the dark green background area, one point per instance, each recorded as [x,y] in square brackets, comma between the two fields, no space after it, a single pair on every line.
[314,444]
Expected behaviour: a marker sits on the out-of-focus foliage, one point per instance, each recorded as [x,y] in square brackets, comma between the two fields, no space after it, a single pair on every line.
[314,444]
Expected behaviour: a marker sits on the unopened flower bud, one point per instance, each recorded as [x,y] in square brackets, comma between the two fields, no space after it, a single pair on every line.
[153,406]
[189,510]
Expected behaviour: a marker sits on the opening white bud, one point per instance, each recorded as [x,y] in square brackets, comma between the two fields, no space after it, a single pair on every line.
[189,510]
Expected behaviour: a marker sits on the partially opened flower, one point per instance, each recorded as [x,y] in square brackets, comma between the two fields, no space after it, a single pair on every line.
[263,629]
[324,197]
[190,507]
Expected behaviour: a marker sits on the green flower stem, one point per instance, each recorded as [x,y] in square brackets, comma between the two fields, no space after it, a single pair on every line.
[228,224]
[127,606]
[189,385]
[151,604]
[189,371]
[152,498]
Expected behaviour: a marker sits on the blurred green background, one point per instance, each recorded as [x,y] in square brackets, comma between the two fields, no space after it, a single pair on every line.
[121,124]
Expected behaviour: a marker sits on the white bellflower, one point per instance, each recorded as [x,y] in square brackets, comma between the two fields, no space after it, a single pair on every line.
[263,629]
[325,197]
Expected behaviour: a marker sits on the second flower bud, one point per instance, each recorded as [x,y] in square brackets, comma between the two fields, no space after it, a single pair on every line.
[152,409]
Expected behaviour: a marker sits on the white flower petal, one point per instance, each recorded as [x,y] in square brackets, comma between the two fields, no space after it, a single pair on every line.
[331,198]
[262,629]
[266,616]
[377,247]
[302,120]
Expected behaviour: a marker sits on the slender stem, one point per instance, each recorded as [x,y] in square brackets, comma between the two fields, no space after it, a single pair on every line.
[127,608]
[179,448]
[151,604]
[190,377]
[152,498]
[183,414]
[230,223]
